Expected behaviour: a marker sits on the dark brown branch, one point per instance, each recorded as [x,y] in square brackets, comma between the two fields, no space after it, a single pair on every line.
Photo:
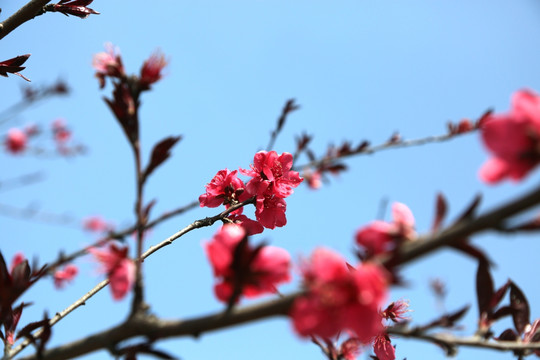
[27,12]
[451,342]
[159,329]
[407,253]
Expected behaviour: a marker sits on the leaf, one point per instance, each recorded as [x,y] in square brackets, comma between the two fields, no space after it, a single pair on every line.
[520,308]
[471,209]
[484,287]
[507,335]
[147,208]
[160,153]
[499,294]
[470,250]
[447,320]
[362,146]
[441,209]
[483,118]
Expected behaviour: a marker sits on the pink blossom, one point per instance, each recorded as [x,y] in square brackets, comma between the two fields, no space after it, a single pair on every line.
[18,258]
[339,298]
[379,236]
[60,131]
[375,238]
[350,349]
[243,270]
[252,227]
[383,348]
[272,174]
[224,188]
[96,224]
[31,130]
[151,70]
[396,311]
[119,268]
[313,179]
[513,139]
[16,141]
[61,277]
[270,211]
[108,63]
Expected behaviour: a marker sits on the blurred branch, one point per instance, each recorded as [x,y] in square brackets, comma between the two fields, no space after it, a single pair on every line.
[450,342]
[27,12]
[32,95]
[32,212]
[154,328]
[22,180]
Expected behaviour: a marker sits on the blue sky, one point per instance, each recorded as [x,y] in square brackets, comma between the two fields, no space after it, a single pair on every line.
[361,70]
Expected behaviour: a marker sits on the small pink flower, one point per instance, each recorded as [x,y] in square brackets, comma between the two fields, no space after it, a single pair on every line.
[119,269]
[270,211]
[339,298]
[31,130]
[224,188]
[18,258]
[108,63]
[383,348]
[60,131]
[350,349]
[396,311]
[513,139]
[16,141]
[96,224]
[380,236]
[61,277]
[151,70]
[313,179]
[272,174]
[251,272]
[75,7]
[252,227]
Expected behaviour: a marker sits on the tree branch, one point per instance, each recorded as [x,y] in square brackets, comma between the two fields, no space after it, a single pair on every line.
[407,253]
[27,12]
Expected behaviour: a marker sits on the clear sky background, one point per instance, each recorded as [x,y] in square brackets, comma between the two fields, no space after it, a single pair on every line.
[361,70]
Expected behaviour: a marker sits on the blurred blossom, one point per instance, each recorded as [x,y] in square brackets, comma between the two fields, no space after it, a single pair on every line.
[15,141]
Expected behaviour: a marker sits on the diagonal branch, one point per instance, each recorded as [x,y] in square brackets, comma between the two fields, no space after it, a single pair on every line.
[27,12]
[407,253]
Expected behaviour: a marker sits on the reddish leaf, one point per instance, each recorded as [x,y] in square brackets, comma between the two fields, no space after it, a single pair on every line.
[502,312]
[447,320]
[470,250]
[441,209]
[520,308]
[471,209]
[484,287]
[148,207]
[13,66]
[160,153]
[507,335]
[499,294]
[362,146]
[483,118]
